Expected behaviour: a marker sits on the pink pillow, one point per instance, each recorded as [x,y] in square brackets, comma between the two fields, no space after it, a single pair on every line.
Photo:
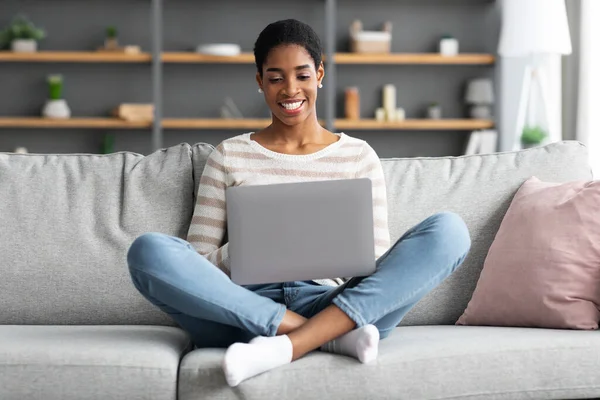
[543,268]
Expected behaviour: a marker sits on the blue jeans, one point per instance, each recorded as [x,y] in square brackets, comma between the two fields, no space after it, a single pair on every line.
[216,312]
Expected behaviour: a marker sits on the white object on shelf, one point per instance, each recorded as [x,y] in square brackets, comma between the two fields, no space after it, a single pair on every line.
[389,101]
[24,45]
[56,109]
[400,114]
[219,49]
[380,114]
[370,41]
[449,47]
[482,142]
[434,112]
[21,150]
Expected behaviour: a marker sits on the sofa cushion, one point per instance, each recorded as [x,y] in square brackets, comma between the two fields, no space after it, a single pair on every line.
[429,362]
[67,221]
[479,188]
[543,268]
[90,362]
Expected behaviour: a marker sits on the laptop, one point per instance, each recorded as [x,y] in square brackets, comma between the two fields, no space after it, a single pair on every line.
[300,231]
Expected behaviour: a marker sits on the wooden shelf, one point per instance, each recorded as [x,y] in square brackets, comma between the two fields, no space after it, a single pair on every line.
[341,124]
[75,56]
[85,123]
[214,123]
[343,58]
[414,124]
[219,123]
[413,58]
[191,57]
[244,58]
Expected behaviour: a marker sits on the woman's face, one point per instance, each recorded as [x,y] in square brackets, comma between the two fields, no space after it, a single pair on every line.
[290,82]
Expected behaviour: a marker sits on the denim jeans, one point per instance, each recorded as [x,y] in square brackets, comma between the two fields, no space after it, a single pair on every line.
[216,312]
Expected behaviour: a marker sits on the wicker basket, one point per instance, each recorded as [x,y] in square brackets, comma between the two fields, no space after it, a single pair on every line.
[370,41]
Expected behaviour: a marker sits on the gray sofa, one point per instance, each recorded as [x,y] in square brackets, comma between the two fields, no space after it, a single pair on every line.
[72,326]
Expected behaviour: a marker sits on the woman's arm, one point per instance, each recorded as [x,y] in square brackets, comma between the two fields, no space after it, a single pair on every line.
[209,222]
[369,166]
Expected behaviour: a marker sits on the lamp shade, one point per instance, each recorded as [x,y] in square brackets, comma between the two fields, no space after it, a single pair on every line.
[480,91]
[534,27]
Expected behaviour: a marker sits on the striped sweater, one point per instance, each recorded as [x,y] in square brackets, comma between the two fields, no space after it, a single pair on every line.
[243,161]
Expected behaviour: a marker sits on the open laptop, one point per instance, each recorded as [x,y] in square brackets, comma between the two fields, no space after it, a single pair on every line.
[300,231]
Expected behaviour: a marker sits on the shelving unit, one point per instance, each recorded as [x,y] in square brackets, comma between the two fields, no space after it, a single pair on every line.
[157,57]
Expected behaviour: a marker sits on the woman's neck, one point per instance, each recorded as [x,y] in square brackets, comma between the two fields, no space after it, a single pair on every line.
[309,131]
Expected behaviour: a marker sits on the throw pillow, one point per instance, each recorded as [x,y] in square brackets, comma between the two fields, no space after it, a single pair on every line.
[543,267]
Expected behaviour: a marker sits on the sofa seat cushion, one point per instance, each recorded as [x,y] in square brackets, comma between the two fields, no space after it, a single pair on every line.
[90,362]
[422,362]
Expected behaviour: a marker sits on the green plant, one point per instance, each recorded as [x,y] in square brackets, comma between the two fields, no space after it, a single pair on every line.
[55,87]
[20,28]
[533,135]
[111,32]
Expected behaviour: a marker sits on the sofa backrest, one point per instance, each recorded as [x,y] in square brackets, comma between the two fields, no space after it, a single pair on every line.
[479,188]
[66,223]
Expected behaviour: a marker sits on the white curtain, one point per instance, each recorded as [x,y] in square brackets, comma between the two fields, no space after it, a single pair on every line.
[587,126]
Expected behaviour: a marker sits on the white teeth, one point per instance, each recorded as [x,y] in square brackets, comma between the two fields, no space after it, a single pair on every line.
[292,106]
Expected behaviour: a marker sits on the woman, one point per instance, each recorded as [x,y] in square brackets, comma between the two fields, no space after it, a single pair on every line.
[266,326]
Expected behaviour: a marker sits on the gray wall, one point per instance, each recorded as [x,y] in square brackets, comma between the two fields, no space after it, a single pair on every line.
[197,90]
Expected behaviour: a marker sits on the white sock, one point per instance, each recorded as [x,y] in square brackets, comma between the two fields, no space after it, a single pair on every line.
[243,361]
[361,343]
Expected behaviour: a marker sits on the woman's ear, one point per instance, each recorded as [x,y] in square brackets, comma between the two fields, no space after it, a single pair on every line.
[259,80]
[320,72]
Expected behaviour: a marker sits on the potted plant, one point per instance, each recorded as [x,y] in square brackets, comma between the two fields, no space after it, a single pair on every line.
[111,42]
[56,106]
[532,136]
[434,111]
[21,36]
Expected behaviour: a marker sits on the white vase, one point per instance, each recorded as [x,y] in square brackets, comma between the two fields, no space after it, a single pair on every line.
[56,109]
[24,45]
[448,47]
[434,112]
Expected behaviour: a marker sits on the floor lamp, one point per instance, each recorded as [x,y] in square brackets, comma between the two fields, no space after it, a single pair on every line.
[532,29]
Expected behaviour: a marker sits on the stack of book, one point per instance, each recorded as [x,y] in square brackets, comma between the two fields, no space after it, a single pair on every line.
[482,142]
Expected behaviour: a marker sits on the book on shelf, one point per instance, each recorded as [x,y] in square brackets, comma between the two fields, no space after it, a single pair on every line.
[483,141]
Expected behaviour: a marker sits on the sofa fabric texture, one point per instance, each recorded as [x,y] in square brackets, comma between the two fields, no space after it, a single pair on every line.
[90,362]
[422,362]
[67,222]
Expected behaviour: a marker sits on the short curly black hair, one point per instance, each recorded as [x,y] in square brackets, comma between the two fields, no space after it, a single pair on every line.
[284,32]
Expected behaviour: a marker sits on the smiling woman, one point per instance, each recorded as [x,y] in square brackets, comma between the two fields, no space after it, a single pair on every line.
[266,326]
[289,71]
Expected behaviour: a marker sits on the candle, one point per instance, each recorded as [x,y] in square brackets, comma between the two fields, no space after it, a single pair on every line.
[380,114]
[389,99]
[400,114]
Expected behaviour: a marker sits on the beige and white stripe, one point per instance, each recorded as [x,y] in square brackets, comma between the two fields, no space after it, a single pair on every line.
[242,161]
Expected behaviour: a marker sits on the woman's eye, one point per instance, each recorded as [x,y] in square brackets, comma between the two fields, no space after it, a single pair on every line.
[304,77]
[274,80]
